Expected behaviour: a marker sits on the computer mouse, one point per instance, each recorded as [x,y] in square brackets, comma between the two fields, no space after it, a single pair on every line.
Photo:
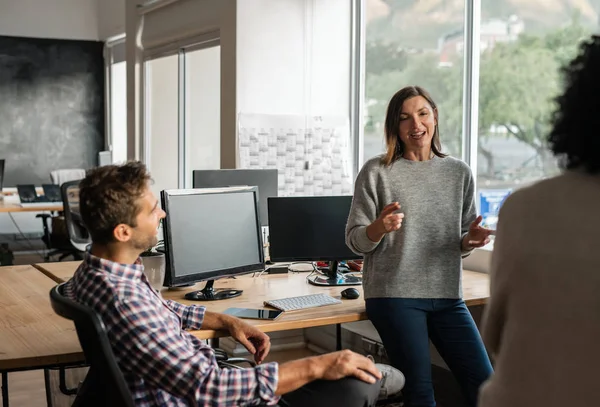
[350,293]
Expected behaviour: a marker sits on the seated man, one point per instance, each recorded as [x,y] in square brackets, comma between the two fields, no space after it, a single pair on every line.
[162,363]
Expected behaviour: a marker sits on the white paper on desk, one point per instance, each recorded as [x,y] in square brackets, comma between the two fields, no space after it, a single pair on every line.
[311,153]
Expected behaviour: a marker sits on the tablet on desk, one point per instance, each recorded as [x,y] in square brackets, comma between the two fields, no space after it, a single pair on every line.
[253,313]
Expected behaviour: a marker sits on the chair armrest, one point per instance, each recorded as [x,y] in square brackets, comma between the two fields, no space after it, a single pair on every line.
[224,360]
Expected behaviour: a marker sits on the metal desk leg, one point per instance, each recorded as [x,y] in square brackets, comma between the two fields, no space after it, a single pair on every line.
[47,385]
[338,336]
[4,389]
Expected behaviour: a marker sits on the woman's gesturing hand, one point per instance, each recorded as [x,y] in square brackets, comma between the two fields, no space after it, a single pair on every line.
[387,221]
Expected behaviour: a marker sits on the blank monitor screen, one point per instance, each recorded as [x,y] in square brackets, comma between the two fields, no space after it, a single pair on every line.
[211,233]
[309,228]
[265,180]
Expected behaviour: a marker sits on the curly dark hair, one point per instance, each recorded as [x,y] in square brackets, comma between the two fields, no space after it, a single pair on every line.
[574,138]
[108,196]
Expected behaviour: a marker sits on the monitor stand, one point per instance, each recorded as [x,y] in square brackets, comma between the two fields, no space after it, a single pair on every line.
[334,277]
[208,293]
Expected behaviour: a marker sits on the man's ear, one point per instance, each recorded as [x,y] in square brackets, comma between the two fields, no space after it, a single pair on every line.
[122,232]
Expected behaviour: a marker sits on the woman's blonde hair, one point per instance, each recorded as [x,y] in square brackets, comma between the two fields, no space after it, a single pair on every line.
[395,147]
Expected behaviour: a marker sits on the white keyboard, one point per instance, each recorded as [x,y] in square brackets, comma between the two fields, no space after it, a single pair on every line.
[302,302]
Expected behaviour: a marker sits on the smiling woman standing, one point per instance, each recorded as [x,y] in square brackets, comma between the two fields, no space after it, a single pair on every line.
[413,218]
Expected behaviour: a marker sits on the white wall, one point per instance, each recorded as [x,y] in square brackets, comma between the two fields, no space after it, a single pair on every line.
[270,56]
[111,18]
[293,57]
[65,19]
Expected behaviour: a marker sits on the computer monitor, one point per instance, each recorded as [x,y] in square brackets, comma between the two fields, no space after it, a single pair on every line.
[265,180]
[1,175]
[27,193]
[312,229]
[210,234]
[52,192]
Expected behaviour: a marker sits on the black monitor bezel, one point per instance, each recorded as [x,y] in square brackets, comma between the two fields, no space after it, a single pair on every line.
[170,279]
[351,255]
[2,163]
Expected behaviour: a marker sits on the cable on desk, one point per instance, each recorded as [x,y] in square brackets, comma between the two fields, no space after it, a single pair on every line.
[289,265]
[312,263]
[315,270]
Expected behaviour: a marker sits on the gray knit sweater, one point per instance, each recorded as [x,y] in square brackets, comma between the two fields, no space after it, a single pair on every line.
[423,259]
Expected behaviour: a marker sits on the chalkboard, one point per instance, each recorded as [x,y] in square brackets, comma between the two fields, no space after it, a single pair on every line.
[51,107]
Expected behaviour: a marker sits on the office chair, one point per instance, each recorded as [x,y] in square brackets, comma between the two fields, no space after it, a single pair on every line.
[104,384]
[78,234]
[59,177]
[68,236]
[56,239]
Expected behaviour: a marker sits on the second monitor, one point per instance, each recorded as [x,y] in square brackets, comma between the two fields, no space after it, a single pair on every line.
[265,180]
[310,229]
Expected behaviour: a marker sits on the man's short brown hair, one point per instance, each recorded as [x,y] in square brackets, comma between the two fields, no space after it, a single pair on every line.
[108,196]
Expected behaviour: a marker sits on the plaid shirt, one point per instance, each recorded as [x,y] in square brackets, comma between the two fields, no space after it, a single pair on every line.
[163,364]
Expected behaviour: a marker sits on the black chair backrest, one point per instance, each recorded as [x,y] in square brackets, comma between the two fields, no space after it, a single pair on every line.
[104,384]
[78,234]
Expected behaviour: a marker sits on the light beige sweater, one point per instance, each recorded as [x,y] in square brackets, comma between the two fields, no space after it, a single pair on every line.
[542,325]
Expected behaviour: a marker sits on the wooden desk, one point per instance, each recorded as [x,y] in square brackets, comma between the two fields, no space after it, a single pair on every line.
[58,271]
[16,207]
[31,334]
[259,289]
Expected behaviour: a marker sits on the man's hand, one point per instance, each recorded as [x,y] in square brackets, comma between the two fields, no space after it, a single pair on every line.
[331,366]
[477,237]
[257,342]
[338,365]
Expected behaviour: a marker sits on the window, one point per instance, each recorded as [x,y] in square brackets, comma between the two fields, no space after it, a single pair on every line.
[183,113]
[521,56]
[162,122]
[202,110]
[118,111]
[116,71]
[408,43]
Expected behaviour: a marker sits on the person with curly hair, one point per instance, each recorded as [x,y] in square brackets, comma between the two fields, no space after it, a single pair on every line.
[542,324]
